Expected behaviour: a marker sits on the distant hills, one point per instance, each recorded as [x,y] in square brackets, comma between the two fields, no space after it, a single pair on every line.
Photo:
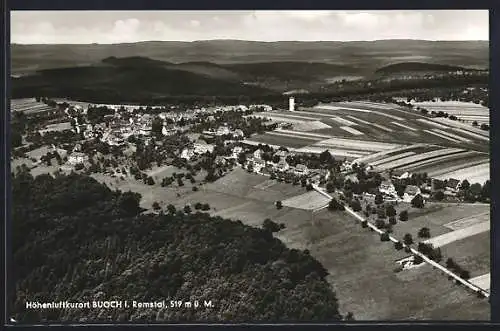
[364,55]
[226,67]
[417,67]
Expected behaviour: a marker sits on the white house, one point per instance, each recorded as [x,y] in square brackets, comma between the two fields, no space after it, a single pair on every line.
[258,165]
[346,166]
[187,153]
[220,160]
[236,152]
[258,154]
[222,130]
[301,170]
[76,158]
[145,131]
[203,148]
[283,165]
[281,154]
[238,134]
[453,185]
[410,192]
[387,187]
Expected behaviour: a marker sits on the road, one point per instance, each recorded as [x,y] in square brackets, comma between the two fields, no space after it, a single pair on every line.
[414,251]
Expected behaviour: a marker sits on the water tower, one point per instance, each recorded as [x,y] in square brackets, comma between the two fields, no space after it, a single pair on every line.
[291,104]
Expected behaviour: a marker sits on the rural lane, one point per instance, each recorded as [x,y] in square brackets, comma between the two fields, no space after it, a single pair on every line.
[414,251]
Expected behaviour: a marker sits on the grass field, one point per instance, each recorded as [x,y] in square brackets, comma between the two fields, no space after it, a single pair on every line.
[460,234]
[291,142]
[435,216]
[474,174]
[483,281]
[361,269]
[308,201]
[471,253]
[350,253]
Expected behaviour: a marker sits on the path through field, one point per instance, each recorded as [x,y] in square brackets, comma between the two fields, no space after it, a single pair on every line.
[450,237]
[483,281]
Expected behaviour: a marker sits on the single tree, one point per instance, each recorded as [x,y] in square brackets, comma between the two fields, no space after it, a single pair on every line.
[408,239]
[403,216]
[450,264]
[384,236]
[424,233]
[417,259]
[379,199]
[156,206]
[398,245]
[417,201]
[171,209]
[390,211]
[279,205]
[356,205]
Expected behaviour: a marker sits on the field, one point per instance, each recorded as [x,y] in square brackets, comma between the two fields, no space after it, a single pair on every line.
[387,137]
[436,217]
[28,106]
[472,253]
[467,111]
[474,174]
[459,234]
[376,123]
[350,253]
[309,201]
[483,281]
[361,267]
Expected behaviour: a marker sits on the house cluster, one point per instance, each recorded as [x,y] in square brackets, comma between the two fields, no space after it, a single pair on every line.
[224,130]
[197,149]
[388,190]
[258,165]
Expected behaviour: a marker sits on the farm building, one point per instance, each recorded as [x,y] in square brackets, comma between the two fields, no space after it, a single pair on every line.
[410,192]
[236,152]
[282,165]
[301,170]
[203,148]
[346,166]
[258,154]
[220,160]
[187,153]
[222,131]
[453,185]
[353,178]
[77,157]
[238,133]
[387,187]
[257,165]
[281,154]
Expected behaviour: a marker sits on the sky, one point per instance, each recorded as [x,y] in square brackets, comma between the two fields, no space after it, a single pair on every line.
[108,27]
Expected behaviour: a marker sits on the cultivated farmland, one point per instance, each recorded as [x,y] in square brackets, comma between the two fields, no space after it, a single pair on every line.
[309,201]
[474,174]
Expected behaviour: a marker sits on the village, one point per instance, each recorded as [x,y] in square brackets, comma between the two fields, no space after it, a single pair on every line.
[186,138]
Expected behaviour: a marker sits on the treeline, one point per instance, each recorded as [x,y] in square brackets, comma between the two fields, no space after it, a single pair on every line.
[221,96]
[75,239]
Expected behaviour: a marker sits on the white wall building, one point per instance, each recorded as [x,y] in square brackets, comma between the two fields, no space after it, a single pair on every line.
[76,158]
[291,104]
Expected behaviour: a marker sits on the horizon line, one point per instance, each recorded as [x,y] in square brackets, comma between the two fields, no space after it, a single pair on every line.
[247,40]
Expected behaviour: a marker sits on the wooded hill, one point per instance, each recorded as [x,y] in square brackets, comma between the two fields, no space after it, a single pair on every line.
[76,240]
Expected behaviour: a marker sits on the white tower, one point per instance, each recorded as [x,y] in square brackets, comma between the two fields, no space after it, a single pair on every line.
[291,104]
